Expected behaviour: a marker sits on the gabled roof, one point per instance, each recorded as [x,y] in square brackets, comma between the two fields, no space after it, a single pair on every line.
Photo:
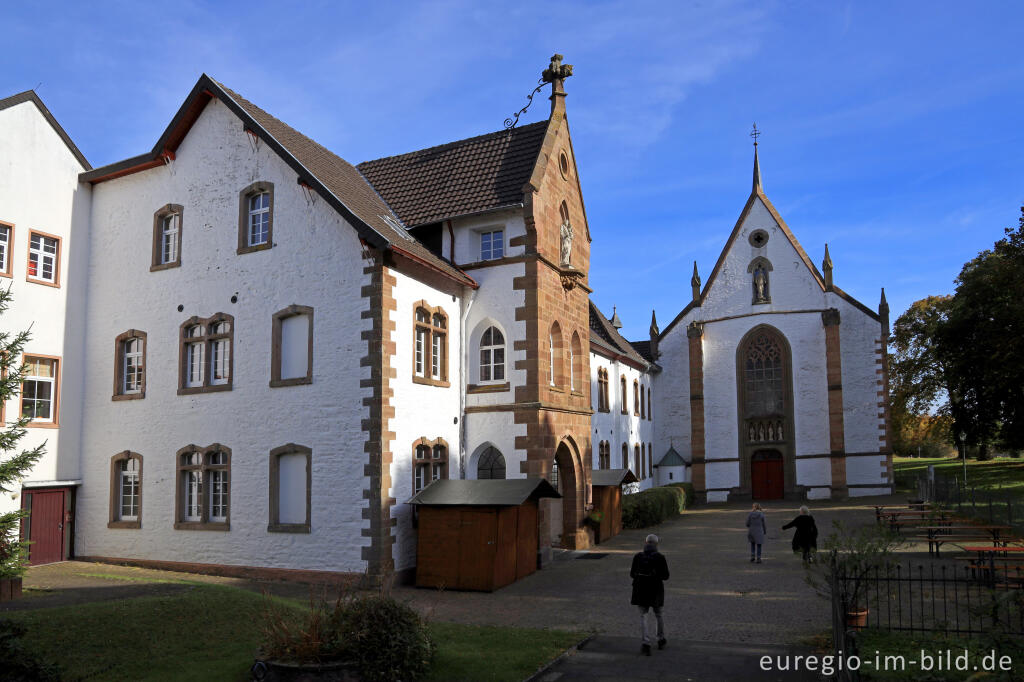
[606,336]
[757,193]
[644,349]
[612,477]
[31,96]
[333,178]
[671,459]
[460,178]
[484,493]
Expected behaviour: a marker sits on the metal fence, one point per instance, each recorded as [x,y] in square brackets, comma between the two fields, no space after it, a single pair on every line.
[994,505]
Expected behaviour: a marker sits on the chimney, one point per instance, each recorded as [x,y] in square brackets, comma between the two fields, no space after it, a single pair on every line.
[556,73]
[695,284]
[826,267]
[654,336]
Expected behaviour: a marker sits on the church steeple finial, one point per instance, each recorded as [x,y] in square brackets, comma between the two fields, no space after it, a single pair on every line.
[654,331]
[695,283]
[556,73]
[826,268]
[883,315]
[755,133]
[616,322]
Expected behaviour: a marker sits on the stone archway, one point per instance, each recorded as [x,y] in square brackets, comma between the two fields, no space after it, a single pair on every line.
[564,515]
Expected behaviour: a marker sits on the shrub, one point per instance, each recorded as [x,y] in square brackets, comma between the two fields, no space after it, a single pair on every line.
[689,497]
[652,506]
[385,639]
[18,664]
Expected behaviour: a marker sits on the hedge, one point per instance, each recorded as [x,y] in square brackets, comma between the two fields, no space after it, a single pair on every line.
[652,506]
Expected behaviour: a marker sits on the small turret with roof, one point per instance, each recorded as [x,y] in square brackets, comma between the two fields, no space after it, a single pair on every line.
[654,336]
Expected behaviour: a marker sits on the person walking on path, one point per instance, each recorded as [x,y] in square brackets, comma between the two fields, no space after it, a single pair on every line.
[649,573]
[757,530]
[805,539]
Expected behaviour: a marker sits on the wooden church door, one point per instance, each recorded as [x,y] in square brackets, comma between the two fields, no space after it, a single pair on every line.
[766,475]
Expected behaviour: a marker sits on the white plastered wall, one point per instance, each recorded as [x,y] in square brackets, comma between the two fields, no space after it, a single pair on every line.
[316,261]
[618,428]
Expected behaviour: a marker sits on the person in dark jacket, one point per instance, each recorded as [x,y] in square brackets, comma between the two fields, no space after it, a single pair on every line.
[805,539]
[757,528]
[649,573]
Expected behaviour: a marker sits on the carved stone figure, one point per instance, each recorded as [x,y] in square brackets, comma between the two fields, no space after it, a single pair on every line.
[760,285]
[566,233]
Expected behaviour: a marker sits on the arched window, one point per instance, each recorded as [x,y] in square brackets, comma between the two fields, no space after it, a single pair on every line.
[555,355]
[492,355]
[205,354]
[430,463]
[650,406]
[575,362]
[643,404]
[650,459]
[622,397]
[602,389]
[763,376]
[491,464]
[636,397]
[553,476]
[643,460]
[636,461]
[625,456]
[202,501]
[125,490]
[604,455]
[130,366]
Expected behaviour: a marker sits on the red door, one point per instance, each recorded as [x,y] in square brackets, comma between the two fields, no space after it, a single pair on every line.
[766,475]
[45,526]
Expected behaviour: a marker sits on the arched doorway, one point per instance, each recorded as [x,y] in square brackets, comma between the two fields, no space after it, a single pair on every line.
[767,479]
[562,477]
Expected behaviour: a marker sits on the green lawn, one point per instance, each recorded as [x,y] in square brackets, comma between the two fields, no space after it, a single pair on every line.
[1004,473]
[211,632]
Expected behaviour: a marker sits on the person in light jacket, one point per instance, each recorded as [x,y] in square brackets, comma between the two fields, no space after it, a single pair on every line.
[756,529]
[805,539]
[649,573]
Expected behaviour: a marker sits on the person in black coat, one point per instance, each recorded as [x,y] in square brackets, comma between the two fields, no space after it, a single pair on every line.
[649,573]
[805,539]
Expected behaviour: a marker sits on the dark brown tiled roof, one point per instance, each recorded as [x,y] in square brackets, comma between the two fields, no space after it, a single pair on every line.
[458,178]
[31,96]
[643,348]
[603,333]
[345,182]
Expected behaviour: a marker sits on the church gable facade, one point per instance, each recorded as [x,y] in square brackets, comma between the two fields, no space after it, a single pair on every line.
[774,379]
[267,352]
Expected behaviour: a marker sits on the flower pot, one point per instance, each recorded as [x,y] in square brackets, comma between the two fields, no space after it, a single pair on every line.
[10,588]
[281,671]
[857,618]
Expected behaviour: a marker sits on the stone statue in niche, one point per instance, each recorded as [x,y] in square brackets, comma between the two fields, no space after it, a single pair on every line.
[566,233]
[760,284]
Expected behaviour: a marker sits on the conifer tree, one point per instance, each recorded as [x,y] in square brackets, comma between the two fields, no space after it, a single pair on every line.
[14,464]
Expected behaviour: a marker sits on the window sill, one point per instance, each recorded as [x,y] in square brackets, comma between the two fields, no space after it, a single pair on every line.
[556,389]
[128,396]
[287,528]
[165,266]
[489,388]
[430,382]
[295,381]
[6,274]
[251,249]
[200,525]
[215,388]
[42,425]
[577,394]
[124,524]
[33,280]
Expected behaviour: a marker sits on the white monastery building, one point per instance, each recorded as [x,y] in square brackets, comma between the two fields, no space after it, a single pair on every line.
[247,354]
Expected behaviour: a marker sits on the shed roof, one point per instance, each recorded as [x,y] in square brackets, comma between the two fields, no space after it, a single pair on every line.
[484,493]
[602,477]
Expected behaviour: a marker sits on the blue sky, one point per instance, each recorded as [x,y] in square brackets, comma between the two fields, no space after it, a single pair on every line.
[891,130]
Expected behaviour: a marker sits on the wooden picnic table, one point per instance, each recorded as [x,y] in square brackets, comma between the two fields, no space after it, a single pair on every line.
[897,519]
[938,535]
[986,559]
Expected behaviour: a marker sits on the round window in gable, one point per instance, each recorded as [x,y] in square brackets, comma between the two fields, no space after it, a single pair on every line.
[563,165]
[758,238]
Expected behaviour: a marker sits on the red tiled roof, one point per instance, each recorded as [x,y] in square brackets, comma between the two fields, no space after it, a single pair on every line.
[459,178]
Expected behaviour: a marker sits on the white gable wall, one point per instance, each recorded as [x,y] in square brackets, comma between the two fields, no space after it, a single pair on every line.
[316,261]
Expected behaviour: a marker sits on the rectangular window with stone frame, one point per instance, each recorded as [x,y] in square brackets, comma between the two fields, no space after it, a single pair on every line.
[430,463]
[44,258]
[167,227]
[291,355]
[130,365]
[205,354]
[256,217]
[125,490]
[291,483]
[6,246]
[40,391]
[430,345]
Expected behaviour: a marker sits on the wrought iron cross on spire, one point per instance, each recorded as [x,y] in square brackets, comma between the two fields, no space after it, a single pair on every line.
[755,133]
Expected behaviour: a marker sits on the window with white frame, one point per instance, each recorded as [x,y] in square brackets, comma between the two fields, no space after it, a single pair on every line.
[259,219]
[5,249]
[203,501]
[492,244]
[170,228]
[430,463]
[430,352]
[206,354]
[130,365]
[125,490]
[422,334]
[492,355]
[43,258]
[39,389]
[128,489]
[437,346]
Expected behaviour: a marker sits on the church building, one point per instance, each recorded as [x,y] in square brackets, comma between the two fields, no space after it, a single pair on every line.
[248,354]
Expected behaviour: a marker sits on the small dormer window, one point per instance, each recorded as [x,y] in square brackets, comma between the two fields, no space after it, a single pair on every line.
[492,244]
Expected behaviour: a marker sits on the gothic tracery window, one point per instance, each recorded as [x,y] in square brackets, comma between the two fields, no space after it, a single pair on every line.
[491,464]
[763,375]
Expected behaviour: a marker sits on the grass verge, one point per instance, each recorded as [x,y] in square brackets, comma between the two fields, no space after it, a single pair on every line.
[211,632]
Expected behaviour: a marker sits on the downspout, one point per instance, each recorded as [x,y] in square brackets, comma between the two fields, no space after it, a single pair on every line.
[468,296]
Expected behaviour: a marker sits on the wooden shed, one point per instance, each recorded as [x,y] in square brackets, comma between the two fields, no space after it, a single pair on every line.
[607,494]
[478,535]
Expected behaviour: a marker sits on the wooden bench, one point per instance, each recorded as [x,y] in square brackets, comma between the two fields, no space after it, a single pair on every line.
[940,535]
